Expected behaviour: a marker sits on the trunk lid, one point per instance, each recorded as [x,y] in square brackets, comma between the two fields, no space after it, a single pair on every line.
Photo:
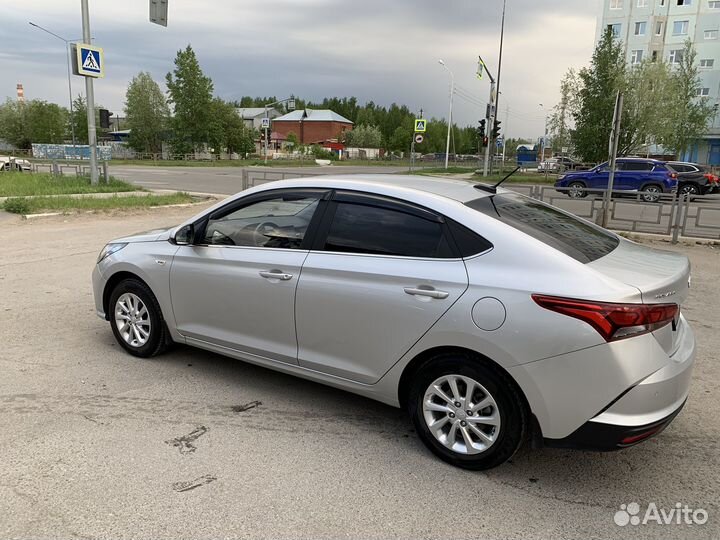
[662,277]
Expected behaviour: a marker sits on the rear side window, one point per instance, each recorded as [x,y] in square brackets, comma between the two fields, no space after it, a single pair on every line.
[578,239]
[638,166]
[360,228]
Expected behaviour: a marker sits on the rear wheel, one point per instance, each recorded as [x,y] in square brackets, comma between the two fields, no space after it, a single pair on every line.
[651,193]
[136,319]
[467,412]
[689,189]
[576,190]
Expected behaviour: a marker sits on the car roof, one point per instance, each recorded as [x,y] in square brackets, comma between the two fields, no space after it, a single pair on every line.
[644,160]
[450,188]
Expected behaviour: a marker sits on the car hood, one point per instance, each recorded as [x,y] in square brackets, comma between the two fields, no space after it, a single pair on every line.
[147,236]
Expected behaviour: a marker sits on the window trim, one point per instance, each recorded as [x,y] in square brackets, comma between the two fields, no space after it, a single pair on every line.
[377,200]
[324,194]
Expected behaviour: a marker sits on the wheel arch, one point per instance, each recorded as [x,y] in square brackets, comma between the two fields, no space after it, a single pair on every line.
[425,357]
[112,282]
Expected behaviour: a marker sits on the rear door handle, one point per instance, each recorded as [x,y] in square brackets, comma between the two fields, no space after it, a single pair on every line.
[275,274]
[432,293]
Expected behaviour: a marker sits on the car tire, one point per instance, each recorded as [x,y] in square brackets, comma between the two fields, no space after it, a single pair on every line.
[455,436]
[651,193]
[689,189]
[144,333]
[576,190]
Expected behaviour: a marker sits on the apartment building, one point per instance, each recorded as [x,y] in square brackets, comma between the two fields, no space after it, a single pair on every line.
[658,29]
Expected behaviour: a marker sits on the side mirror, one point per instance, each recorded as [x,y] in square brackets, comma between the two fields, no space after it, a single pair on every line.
[184,236]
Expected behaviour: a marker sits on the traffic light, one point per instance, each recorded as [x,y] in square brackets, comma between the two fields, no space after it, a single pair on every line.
[481,129]
[104,118]
[496,129]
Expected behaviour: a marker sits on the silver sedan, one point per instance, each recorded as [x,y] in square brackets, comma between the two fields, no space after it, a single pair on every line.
[492,318]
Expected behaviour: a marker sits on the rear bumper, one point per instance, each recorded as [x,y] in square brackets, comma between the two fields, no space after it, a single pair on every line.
[607,437]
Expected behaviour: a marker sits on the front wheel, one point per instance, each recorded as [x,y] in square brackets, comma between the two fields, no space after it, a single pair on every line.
[136,319]
[467,412]
[651,193]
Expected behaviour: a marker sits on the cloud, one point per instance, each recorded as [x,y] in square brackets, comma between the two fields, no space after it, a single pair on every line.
[373,49]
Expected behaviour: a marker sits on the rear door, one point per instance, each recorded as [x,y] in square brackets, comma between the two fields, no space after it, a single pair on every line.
[636,174]
[380,274]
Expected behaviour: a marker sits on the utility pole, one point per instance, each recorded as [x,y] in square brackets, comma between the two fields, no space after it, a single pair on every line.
[90,97]
[490,114]
[614,139]
[452,93]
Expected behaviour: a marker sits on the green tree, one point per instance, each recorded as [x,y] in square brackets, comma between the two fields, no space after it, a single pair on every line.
[292,140]
[599,84]
[227,131]
[147,113]
[686,114]
[363,136]
[190,93]
[559,122]
[35,121]
[79,120]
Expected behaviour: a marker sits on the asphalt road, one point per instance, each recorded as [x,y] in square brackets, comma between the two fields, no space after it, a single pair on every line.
[222,180]
[98,444]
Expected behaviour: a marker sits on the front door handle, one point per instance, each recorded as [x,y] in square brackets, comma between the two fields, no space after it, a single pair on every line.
[432,293]
[276,274]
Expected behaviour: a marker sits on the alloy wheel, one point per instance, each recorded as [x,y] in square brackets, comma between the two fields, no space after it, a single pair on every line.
[461,414]
[132,319]
[651,194]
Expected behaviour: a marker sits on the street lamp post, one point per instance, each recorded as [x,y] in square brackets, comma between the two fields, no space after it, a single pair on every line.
[452,92]
[67,50]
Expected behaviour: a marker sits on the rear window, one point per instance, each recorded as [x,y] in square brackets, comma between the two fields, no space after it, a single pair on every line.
[578,239]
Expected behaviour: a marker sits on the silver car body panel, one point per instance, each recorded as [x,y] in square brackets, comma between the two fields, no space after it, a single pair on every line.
[353,335]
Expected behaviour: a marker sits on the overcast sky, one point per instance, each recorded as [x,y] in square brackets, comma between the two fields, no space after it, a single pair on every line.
[380,50]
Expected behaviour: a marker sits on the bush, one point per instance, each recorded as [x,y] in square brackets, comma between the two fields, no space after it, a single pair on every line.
[321,153]
[17,205]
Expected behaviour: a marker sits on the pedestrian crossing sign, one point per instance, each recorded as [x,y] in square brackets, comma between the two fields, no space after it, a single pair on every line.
[420,125]
[90,60]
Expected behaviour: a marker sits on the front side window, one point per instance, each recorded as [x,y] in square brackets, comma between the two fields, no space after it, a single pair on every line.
[640,28]
[374,230]
[277,222]
[680,28]
[570,235]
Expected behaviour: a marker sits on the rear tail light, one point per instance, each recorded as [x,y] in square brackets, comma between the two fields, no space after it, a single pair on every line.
[612,321]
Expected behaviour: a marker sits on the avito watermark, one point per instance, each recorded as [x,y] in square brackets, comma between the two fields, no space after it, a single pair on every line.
[680,514]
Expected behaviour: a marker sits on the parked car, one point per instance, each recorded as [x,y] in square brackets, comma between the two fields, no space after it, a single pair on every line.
[694,179]
[8,163]
[491,317]
[557,164]
[648,177]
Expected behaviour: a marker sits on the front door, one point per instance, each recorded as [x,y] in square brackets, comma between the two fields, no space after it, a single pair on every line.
[235,287]
[380,274]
